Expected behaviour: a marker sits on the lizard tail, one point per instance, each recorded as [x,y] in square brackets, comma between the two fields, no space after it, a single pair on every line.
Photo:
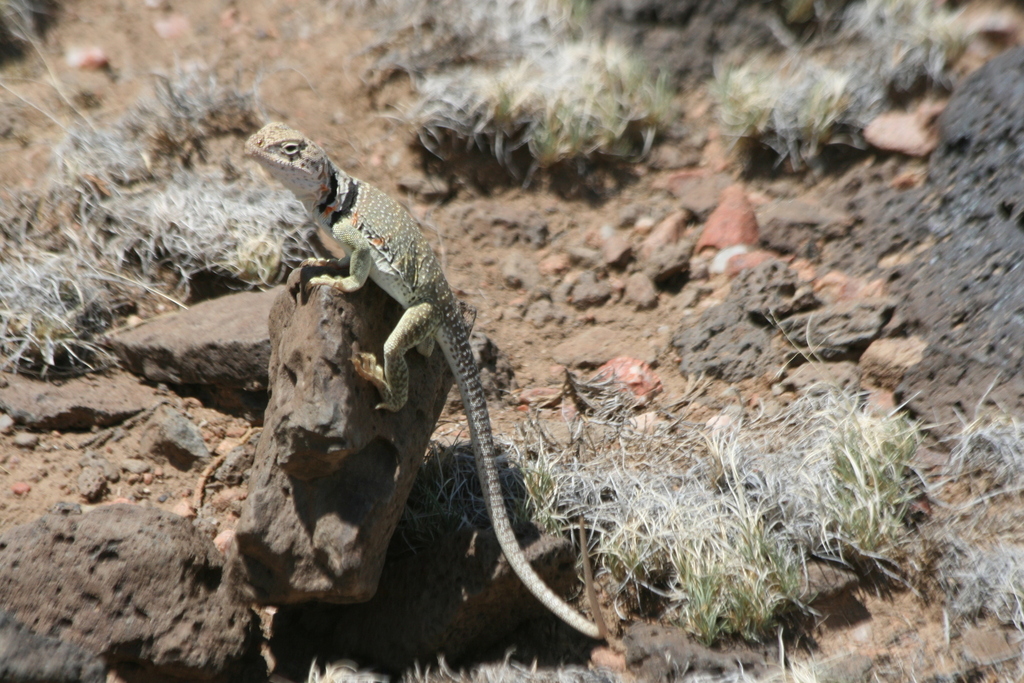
[454,342]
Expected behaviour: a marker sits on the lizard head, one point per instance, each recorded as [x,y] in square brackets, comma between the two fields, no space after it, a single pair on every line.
[291,157]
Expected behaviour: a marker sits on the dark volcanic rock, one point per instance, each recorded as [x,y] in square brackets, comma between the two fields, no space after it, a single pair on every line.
[772,291]
[223,341]
[137,585]
[954,250]
[331,472]
[78,403]
[171,436]
[457,596]
[840,329]
[725,344]
[29,658]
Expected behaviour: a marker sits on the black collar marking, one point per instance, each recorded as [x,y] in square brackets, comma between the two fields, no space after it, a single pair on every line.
[351,194]
[332,194]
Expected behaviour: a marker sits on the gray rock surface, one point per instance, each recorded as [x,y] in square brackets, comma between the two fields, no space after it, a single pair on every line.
[331,473]
[772,291]
[725,344]
[792,226]
[170,436]
[455,597]
[840,329]
[953,251]
[222,341]
[78,403]
[26,657]
[137,585]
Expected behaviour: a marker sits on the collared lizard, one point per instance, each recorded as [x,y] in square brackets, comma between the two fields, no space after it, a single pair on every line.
[383,242]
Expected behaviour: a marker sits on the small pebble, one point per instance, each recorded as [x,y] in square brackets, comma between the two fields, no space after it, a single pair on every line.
[6,423]
[162,498]
[86,58]
[147,478]
[20,488]
[224,540]
[26,440]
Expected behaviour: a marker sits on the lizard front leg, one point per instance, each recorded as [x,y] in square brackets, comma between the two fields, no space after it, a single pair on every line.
[416,327]
[360,263]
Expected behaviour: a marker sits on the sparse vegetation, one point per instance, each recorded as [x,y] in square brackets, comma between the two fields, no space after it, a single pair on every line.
[812,98]
[150,208]
[715,528]
[508,76]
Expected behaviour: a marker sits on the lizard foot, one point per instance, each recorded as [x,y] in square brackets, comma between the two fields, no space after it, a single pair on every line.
[366,366]
[322,263]
[335,281]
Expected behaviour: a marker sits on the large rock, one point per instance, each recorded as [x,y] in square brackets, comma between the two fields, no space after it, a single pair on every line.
[953,251]
[727,345]
[78,403]
[734,340]
[841,329]
[457,596]
[139,586]
[26,657]
[223,341]
[331,472]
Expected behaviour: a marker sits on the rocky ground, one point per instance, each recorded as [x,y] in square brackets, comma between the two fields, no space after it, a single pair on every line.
[140,498]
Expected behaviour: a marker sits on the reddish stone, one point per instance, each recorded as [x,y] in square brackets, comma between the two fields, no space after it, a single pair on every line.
[732,222]
[554,264]
[637,375]
[616,251]
[740,262]
[20,488]
[545,397]
[904,132]
[666,233]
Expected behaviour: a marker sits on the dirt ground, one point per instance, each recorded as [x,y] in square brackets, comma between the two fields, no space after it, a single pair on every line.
[307,64]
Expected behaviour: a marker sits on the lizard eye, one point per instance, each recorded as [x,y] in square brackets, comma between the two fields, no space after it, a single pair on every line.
[290,148]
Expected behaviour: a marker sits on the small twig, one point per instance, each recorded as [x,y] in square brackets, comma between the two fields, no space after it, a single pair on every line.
[197,497]
[588,581]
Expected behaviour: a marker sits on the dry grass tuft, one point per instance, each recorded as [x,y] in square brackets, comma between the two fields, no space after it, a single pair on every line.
[979,538]
[21,21]
[155,199]
[712,530]
[801,105]
[505,76]
[52,307]
[510,672]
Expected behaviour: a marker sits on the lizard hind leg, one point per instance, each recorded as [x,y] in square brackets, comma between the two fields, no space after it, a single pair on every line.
[417,325]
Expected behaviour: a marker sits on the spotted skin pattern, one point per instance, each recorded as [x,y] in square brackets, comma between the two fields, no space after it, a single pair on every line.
[382,242]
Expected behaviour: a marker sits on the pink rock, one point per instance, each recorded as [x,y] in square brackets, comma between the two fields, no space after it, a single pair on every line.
[616,251]
[607,658]
[836,286]
[183,508]
[543,397]
[885,361]
[20,488]
[666,233]
[223,540]
[637,375]
[740,262]
[719,422]
[732,222]
[903,132]
[171,27]
[86,58]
